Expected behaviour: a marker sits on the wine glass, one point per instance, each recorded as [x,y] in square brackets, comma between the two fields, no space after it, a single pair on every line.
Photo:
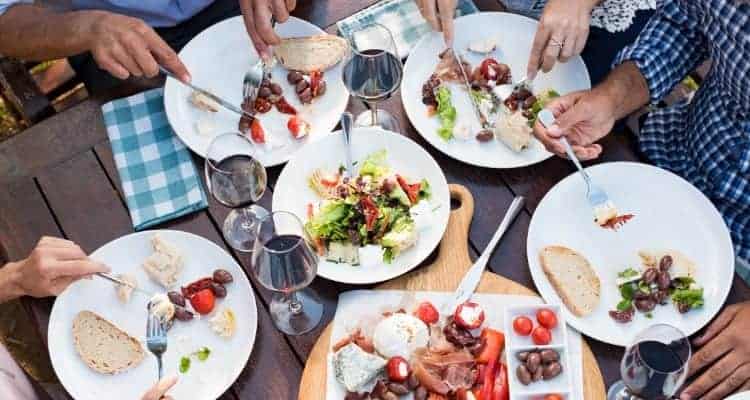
[236,179]
[285,262]
[654,366]
[373,72]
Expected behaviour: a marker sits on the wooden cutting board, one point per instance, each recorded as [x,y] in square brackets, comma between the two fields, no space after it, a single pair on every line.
[444,275]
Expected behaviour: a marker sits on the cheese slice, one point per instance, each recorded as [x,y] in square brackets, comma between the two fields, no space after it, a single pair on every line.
[357,369]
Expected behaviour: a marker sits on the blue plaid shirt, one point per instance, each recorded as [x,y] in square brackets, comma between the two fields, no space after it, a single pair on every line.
[708,140]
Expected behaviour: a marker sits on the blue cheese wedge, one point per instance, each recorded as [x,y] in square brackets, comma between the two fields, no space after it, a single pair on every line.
[340,252]
[357,369]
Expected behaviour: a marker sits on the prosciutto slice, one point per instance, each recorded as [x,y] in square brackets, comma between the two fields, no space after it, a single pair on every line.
[444,372]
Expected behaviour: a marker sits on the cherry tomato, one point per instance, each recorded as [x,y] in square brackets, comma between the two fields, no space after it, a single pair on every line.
[203,301]
[553,397]
[427,313]
[523,326]
[469,315]
[546,318]
[541,336]
[398,369]
[488,69]
[284,107]
[298,127]
[256,132]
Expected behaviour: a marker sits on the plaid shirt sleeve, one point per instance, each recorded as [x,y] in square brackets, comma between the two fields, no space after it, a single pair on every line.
[669,47]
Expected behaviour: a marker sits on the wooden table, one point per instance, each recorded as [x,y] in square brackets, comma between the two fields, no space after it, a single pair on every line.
[59,178]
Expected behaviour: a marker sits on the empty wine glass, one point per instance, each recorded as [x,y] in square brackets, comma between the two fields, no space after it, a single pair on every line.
[654,366]
[236,179]
[284,262]
[373,72]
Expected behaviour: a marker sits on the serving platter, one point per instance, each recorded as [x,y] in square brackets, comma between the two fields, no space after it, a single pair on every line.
[444,274]
[513,50]
[292,193]
[669,213]
[217,59]
[204,380]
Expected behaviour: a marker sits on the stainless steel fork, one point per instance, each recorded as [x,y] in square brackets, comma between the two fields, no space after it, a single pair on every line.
[156,338]
[596,195]
[254,76]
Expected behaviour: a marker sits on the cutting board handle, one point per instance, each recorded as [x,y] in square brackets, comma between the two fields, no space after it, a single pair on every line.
[454,248]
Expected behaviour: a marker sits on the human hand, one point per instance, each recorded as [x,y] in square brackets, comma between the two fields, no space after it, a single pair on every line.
[439,14]
[126,46]
[725,349]
[258,14]
[583,118]
[53,265]
[159,391]
[562,33]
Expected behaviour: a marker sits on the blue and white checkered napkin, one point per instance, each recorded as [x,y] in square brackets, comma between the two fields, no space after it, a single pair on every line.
[158,177]
[401,17]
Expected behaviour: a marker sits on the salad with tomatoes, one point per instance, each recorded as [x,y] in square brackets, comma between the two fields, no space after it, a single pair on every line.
[373,207]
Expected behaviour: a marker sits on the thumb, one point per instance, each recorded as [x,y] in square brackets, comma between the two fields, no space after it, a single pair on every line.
[567,120]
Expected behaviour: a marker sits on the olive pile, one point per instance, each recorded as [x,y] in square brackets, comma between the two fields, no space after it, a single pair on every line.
[216,283]
[538,365]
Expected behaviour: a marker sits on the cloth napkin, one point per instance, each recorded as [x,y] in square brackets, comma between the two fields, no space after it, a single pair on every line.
[157,173]
[401,17]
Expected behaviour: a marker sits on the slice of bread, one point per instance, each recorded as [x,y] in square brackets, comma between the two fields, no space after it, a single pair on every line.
[573,279]
[312,53]
[104,347]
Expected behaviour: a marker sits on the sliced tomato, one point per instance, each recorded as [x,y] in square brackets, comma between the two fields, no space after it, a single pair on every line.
[411,189]
[256,132]
[371,212]
[493,343]
[298,127]
[398,369]
[284,107]
[203,301]
[553,397]
[427,313]
[488,69]
[501,391]
[315,78]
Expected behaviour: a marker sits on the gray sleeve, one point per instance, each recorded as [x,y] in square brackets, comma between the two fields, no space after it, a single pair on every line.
[5,4]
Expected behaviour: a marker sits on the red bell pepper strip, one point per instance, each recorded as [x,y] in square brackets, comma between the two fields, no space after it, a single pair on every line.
[371,212]
[501,391]
[493,343]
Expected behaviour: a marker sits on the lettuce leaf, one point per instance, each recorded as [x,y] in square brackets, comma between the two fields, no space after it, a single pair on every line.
[446,113]
[331,221]
[375,165]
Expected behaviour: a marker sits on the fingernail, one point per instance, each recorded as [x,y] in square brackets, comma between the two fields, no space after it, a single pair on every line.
[554,130]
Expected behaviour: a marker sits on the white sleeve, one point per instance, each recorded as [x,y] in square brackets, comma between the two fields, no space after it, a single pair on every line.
[5,4]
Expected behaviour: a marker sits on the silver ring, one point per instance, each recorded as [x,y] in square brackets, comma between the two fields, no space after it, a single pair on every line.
[556,43]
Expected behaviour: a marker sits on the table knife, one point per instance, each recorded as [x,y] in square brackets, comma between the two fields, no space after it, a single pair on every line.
[229,106]
[471,280]
[117,281]
[474,104]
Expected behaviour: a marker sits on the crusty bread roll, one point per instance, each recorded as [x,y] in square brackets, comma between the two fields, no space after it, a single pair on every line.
[312,53]
[573,279]
[104,347]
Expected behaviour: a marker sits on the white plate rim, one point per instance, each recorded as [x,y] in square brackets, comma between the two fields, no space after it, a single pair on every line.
[621,340]
[54,319]
[441,225]
[171,92]
[431,138]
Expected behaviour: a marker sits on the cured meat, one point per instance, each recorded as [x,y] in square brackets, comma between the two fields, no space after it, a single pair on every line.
[448,70]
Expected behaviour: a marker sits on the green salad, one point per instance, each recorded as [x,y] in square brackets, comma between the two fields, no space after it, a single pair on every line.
[542,99]
[446,112]
[369,208]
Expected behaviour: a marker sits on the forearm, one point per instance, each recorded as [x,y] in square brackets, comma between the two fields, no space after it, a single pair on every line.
[9,282]
[627,89]
[36,33]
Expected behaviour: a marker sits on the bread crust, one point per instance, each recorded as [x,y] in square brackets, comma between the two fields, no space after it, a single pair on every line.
[311,53]
[109,335]
[587,277]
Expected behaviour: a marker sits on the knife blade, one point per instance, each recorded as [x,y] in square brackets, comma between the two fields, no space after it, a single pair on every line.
[471,280]
[117,281]
[474,104]
[229,106]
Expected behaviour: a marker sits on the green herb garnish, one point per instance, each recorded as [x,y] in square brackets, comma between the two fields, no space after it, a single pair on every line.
[624,305]
[203,353]
[628,273]
[184,364]
[691,297]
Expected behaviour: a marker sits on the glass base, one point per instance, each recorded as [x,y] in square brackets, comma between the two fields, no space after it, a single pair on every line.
[302,321]
[239,227]
[385,120]
[619,391]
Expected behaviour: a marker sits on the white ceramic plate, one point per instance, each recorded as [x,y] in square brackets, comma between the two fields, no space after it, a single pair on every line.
[217,59]
[515,35]
[204,380]
[404,156]
[740,396]
[669,214]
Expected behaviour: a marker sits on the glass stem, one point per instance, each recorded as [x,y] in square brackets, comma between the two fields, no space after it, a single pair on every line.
[248,223]
[295,306]
[373,112]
